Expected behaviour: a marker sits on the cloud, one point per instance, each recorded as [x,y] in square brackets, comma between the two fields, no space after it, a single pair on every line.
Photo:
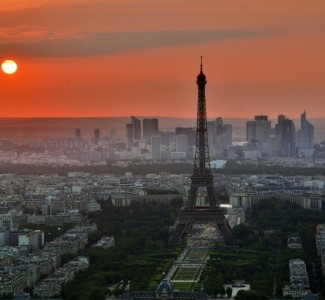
[61,45]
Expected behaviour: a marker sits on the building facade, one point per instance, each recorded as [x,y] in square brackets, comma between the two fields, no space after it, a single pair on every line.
[155,147]
[305,137]
[150,128]
[287,133]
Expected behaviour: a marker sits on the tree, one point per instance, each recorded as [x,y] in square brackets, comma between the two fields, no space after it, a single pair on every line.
[7,296]
[97,294]
[247,295]
[222,291]
[213,285]
[117,291]
[229,291]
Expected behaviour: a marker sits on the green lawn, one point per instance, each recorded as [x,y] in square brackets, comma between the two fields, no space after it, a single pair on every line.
[182,286]
[196,254]
[186,273]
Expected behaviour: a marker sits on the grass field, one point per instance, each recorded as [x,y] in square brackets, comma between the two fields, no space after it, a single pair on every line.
[186,273]
[197,254]
[182,286]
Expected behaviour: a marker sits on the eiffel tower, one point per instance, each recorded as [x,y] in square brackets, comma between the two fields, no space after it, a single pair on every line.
[202,178]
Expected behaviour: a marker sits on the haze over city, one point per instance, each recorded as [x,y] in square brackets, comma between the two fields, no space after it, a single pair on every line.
[117,58]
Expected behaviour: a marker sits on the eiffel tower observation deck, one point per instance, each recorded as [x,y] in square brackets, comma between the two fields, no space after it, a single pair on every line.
[201,181]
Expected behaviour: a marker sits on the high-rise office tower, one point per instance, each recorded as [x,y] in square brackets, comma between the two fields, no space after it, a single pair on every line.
[258,131]
[181,143]
[306,137]
[78,135]
[219,126]
[133,132]
[258,134]
[167,137]
[150,128]
[136,123]
[219,134]
[189,131]
[96,135]
[223,134]
[129,136]
[227,136]
[263,128]
[287,132]
[250,131]
[155,147]
[212,136]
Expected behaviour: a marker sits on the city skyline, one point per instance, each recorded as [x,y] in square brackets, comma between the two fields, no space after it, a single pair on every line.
[121,58]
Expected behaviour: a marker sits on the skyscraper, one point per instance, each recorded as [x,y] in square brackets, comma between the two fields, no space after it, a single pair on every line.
[263,128]
[181,143]
[212,136]
[258,131]
[150,128]
[78,137]
[167,137]
[258,134]
[305,137]
[224,134]
[287,132]
[219,126]
[189,131]
[96,135]
[133,132]
[78,134]
[136,123]
[226,140]
[219,134]
[129,136]
[155,147]
[250,131]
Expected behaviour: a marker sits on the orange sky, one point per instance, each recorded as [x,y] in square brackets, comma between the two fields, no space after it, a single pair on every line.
[141,57]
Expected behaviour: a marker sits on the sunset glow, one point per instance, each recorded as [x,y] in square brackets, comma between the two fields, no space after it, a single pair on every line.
[120,58]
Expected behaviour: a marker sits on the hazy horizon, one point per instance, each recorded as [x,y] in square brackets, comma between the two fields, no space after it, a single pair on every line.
[42,127]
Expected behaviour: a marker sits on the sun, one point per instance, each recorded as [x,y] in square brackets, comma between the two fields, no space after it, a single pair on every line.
[9,66]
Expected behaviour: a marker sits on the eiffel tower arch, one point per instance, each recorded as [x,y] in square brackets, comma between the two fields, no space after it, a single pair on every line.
[201,178]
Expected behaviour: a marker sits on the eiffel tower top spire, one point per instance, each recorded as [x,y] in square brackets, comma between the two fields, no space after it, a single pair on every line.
[201,78]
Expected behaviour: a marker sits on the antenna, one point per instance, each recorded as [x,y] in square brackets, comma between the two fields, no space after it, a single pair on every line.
[201,65]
